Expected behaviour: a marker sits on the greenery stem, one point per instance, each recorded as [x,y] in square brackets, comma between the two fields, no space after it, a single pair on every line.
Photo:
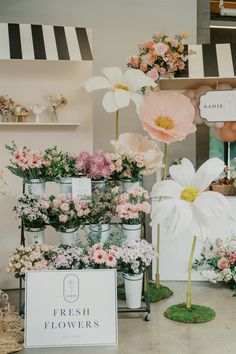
[117,124]
[190,264]
[158,226]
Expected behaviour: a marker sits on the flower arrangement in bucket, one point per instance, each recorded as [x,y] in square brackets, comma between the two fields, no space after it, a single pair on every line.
[135,257]
[135,156]
[217,262]
[7,107]
[162,56]
[96,167]
[65,257]
[66,215]
[30,165]
[103,209]
[33,211]
[100,257]
[168,118]
[131,209]
[122,89]
[188,206]
[27,258]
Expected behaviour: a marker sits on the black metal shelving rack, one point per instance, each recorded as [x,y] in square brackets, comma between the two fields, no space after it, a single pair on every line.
[145,307]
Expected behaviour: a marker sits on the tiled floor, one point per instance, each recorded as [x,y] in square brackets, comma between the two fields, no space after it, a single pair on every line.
[162,336]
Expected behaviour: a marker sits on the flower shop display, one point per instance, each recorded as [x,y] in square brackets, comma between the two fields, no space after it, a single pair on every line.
[135,257]
[96,167]
[55,101]
[30,165]
[67,215]
[188,206]
[167,117]
[33,211]
[217,262]
[122,89]
[162,56]
[7,106]
[103,209]
[131,209]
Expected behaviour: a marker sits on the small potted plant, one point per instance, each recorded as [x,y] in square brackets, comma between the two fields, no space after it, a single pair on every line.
[30,165]
[33,211]
[135,257]
[67,215]
[103,209]
[131,209]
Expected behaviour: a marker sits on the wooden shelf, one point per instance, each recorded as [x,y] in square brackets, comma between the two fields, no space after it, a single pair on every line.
[10,124]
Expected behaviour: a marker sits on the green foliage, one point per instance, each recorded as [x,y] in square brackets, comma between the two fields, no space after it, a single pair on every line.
[197,313]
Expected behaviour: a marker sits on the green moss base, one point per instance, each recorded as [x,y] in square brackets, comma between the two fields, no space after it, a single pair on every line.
[156,294]
[197,314]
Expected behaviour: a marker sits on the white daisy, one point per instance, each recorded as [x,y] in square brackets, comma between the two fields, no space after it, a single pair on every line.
[186,204]
[122,87]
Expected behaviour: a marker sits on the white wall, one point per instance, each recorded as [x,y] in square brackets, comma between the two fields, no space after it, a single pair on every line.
[118,26]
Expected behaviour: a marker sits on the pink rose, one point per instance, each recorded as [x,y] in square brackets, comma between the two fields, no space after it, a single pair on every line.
[65,207]
[153,73]
[63,218]
[133,60]
[160,49]
[223,263]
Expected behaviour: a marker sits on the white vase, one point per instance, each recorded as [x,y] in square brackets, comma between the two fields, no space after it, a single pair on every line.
[129,186]
[132,232]
[68,237]
[36,186]
[35,236]
[133,290]
[99,184]
[65,185]
[104,229]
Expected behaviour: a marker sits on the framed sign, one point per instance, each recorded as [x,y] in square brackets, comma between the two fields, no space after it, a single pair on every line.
[71,308]
[218,106]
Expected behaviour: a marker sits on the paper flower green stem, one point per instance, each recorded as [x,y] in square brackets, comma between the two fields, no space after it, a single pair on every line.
[190,264]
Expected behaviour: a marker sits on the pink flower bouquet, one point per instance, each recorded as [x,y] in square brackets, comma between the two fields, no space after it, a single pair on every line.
[99,257]
[133,206]
[96,166]
[67,213]
[162,56]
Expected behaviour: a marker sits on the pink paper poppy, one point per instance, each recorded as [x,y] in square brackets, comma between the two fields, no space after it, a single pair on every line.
[168,117]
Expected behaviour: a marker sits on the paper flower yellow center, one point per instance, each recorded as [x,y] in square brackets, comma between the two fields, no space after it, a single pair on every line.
[165,122]
[121,87]
[189,194]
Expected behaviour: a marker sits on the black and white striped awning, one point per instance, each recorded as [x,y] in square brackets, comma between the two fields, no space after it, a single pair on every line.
[43,42]
[210,61]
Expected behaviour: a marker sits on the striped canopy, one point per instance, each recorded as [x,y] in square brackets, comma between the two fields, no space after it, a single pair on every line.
[210,61]
[43,42]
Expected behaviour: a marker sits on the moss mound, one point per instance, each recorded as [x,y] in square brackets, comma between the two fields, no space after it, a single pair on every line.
[197,314]
[156,294]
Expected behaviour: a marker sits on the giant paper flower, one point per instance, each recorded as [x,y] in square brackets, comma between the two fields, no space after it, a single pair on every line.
[122,87]
[168,117]
[130,143]
[185,203]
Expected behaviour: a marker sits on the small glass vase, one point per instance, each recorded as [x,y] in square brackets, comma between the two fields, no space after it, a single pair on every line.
[54,116]
[6,117]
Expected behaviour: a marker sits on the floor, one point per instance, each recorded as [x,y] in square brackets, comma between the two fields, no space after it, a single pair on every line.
[162,336]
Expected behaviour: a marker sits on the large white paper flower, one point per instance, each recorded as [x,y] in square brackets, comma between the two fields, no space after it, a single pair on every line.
[122,87]
[131,143]
[185,203]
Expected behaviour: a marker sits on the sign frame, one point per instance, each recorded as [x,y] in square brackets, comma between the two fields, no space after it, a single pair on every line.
[66,273]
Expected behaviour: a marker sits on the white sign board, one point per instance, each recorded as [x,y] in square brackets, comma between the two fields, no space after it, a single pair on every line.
[81,187]
[218,106]
[71,308]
